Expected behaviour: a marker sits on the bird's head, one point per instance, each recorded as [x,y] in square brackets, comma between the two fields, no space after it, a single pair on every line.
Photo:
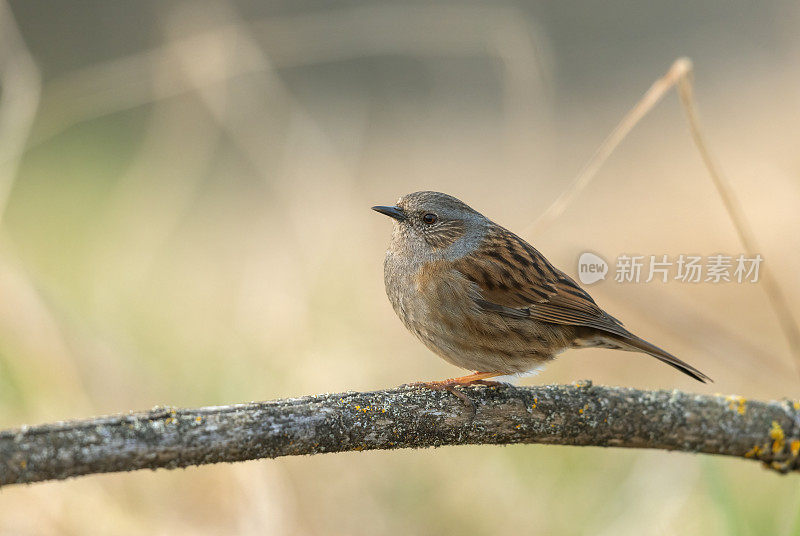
[434,224]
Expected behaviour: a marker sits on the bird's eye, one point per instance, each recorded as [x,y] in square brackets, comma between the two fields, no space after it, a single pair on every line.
[429,218]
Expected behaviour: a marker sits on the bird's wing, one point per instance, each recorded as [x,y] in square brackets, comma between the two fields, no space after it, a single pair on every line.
[515,280]
[512,279]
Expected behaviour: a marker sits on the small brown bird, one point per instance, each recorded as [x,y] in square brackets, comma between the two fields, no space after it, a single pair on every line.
[484,299]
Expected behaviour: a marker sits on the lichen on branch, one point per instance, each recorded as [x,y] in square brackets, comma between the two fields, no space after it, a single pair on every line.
[407,417]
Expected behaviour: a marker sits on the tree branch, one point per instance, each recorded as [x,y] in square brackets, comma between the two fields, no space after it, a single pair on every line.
[580,414]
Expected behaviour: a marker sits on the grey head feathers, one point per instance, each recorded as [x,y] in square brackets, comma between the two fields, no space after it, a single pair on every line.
[437,226]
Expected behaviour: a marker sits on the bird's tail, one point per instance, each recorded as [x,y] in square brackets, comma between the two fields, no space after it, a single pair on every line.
[635,344]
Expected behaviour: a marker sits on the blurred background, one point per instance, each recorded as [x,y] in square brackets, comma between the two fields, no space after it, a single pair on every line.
[185,192]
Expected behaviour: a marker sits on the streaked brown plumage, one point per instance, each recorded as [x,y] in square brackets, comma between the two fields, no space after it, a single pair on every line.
[484,299]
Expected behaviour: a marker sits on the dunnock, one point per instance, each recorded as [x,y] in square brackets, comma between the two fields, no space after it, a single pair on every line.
[484,299]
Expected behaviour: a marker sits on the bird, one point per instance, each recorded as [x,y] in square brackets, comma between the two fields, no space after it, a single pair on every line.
[485,300]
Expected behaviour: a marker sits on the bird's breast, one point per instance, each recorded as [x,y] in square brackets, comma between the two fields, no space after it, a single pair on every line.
[426,296]
[437,303]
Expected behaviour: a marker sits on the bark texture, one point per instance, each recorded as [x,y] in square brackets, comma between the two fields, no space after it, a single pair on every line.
[406,417]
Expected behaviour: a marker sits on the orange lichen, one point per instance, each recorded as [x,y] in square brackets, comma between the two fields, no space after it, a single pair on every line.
[778,438]
[737,403]
[794,446]
[754,452]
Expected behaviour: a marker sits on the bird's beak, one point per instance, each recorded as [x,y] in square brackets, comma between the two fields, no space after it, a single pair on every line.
[393,212]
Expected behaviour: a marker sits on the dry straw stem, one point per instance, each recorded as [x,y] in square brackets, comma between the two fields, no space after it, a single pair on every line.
[579,414]
[770,285]
[680,75]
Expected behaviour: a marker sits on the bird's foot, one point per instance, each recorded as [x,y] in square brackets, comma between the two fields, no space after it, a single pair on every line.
[477,378]
[488,383]
[449,385]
